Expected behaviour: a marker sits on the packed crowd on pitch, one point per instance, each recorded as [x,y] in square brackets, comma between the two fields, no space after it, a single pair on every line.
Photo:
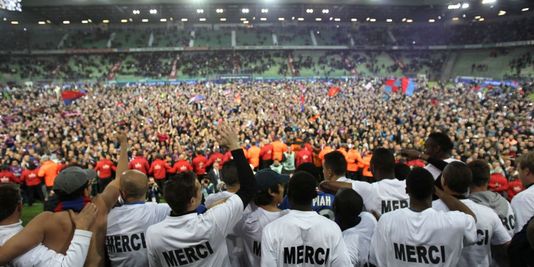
[270,174]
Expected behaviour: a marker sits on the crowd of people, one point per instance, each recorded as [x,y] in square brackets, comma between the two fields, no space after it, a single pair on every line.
[367,145]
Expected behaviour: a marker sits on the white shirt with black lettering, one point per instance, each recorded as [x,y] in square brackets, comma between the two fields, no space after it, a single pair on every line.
[383,196]
[405,238]
[523,206]
[250,228]
[41,256]
[303,238]
[126,233]
[358,239]
[490,231]
[194,239]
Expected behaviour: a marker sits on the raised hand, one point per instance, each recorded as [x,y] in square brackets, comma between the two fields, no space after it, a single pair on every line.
[228,137]
[85,219]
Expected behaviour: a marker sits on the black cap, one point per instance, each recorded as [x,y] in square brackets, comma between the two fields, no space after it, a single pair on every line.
[267,178]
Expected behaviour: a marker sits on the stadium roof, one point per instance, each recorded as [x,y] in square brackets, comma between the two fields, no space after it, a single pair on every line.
[41,3]
[156,2]
[213,11]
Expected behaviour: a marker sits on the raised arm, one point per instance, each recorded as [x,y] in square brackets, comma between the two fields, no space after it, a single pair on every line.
[453,204]
[246,177]
[111,192]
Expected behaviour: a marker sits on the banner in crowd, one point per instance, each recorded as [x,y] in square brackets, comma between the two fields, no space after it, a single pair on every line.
[333,91]
[69,96]
[405,85]
[485,82]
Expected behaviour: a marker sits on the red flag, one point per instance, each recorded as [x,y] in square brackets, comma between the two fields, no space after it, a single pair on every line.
[71,95]
[334,90]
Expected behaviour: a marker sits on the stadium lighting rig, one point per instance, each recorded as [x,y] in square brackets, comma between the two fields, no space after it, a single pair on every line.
[488,2]
[153,11]
[264,10]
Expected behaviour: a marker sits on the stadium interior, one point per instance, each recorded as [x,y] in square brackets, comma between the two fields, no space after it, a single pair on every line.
[127,41]
[231,132]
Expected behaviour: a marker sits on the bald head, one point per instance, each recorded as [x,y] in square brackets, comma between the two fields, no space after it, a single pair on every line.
[134,184]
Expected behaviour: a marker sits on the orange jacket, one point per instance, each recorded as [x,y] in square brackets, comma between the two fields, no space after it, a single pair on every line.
[353,160]
[49,171]
[278,150]
[366,162]
[253,155]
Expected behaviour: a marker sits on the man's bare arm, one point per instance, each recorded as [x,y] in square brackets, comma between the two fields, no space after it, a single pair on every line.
[111,193]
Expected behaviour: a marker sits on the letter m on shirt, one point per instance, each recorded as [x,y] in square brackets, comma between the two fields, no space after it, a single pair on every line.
[289,255]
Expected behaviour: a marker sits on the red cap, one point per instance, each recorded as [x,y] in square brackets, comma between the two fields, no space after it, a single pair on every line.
[498,183]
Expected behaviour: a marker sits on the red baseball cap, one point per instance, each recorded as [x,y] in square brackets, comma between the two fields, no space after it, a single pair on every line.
[498,183]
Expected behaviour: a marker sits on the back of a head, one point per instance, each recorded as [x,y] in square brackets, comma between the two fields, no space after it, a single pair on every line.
[526,161]
[348,204]
[134,184]
[383,160]
[443,141]
[420,184]
[311,169]
[480,171]
[179,190]
[336,162]
[229,173]
[9,200]
[302,189]
[402,171]
[457,177]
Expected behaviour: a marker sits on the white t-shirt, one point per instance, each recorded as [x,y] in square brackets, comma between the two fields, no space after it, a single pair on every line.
[213,198]
[429,238]
[194,239]
[303,238]
[490,231]
[126,233]
[41,256]
[435,171]
[383,196]
[523,206]
[358,239]
[250,228]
